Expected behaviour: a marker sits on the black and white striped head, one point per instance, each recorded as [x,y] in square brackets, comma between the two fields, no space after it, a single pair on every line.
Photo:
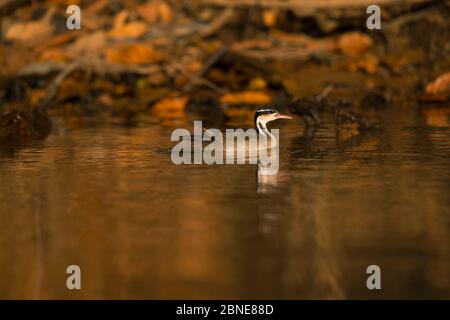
[264,116]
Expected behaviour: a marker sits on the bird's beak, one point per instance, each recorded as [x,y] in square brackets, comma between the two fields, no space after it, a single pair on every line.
[283,116]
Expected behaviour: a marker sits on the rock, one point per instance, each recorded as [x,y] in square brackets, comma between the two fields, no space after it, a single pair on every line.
[17,127]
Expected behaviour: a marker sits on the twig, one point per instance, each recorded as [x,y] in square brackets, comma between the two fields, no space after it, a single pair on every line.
[324,93]
[53,88]
[206,67]
[216,25]
[66,69]
[203,81]
[45,68]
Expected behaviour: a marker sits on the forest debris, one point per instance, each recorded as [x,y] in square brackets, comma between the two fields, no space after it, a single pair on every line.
[252,44]
[157,79]
[33,31]
[133,30]
[54,55]
[99,67]
[35,96]
[59,40]
[283,47]
[438,90]
[269,17]
[135,54]
[216,25]
[169,45]
[310,108]
[354,44]
[170,107]
[72,88]
[155,11]
[257,84]
[91,18]
[245,97]
[305,5]
[53,88]
[89,45]
[122,29]
[41,69]
[369,64]
[212,60]
[440,85]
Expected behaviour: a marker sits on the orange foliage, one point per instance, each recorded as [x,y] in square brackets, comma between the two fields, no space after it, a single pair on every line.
[354,43]
[156,11]
[245,97]
[136,53]
[171,107]
[439,85]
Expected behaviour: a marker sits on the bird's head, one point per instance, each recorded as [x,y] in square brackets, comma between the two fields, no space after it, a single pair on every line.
[264,116]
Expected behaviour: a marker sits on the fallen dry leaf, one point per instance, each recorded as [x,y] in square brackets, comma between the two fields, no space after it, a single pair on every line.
[171,107]
[438,90]
[131,30]
[439,85]
[136,53]
[245,97]
[88,45]
[59,40]
[354,43]
[54,55]
[122,30]
[31,32]
[269,18]
[194,67]
[257,84]
[369,64]
[155,11]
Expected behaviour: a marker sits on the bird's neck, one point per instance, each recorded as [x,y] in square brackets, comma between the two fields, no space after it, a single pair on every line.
[261,127]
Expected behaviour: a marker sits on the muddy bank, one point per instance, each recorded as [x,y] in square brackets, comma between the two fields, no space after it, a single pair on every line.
[161,62]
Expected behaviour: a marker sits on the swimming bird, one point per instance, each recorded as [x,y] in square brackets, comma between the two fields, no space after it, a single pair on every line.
[260,120]
[247,141]
[233,146]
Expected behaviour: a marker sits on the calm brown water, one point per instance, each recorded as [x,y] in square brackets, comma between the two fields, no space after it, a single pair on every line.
[141,227]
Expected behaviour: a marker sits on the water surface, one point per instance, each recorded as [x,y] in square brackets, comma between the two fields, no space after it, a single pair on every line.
[140,227]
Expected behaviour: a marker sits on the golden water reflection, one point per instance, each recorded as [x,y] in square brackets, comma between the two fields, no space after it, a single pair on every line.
[140,227]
